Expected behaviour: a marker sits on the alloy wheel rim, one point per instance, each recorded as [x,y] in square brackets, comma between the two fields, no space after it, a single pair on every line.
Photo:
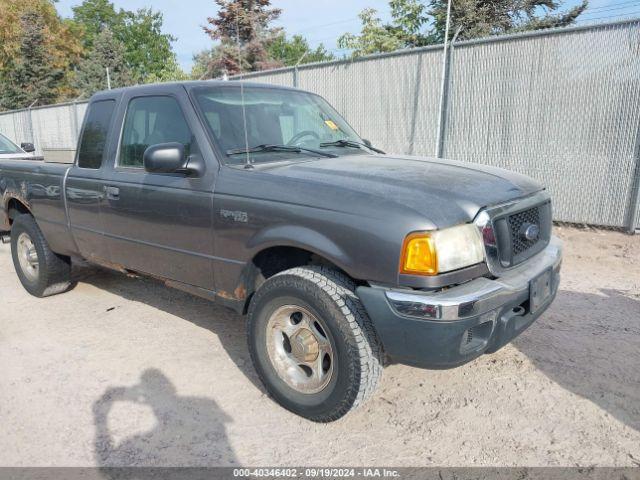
[28,257]
[299,349]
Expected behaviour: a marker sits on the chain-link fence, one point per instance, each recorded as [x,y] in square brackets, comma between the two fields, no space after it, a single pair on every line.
[17,126]
[562,106]
[48,128]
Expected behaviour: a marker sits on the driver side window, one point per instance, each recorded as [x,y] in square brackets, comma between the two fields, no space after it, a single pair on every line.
[151,121]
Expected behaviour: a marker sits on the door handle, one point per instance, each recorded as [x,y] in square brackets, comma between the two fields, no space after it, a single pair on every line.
[113,193]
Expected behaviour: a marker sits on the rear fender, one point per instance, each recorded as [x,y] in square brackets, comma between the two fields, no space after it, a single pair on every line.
[14,202]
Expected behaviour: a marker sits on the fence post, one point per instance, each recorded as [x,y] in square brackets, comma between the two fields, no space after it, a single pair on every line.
[444,96]
[30,118]
[295,70]
[634,198]
[76,123]
[15,128]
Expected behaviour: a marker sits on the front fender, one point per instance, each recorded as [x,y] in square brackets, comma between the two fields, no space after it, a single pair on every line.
[299,237]
[236,293]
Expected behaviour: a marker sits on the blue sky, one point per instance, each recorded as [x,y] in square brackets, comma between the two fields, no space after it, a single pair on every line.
[320,21]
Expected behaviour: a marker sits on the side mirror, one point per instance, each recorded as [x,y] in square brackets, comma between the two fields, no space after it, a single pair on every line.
[165,158]
[367,142]
[28,147]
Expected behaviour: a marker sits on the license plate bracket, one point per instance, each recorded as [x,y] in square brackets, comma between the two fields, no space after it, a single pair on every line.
[540,290]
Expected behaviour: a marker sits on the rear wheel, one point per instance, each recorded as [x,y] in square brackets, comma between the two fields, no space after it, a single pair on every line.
[41,272]
[313,344]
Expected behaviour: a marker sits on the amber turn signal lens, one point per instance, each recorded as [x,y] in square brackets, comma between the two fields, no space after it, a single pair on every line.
[419,255]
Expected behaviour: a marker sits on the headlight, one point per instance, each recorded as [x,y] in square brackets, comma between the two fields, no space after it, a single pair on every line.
[431,253]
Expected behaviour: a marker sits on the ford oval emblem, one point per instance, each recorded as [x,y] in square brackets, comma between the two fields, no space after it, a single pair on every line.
[531,232]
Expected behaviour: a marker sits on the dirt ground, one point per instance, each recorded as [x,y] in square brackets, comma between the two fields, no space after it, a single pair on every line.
[124,371]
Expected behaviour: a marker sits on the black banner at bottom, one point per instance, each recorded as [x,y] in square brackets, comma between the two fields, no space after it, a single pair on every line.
[309,473]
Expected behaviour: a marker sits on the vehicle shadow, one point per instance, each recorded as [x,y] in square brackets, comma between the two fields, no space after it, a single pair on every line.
[187,430]
[223,322]
[590,345]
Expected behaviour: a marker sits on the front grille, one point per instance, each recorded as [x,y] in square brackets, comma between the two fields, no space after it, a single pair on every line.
[517,224]
[512,242]
[504,231]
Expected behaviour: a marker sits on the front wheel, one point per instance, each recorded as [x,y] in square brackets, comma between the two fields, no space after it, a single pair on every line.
[313,344]
[41,272]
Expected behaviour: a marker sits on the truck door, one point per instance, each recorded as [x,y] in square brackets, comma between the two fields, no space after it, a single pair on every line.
[160,224]
[84,185]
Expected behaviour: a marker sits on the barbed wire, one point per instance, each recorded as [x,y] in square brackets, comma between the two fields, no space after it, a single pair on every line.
[613,5]
[620,7]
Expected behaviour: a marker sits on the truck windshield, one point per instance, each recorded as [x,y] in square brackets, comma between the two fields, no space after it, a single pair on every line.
[246,120]
[7,146]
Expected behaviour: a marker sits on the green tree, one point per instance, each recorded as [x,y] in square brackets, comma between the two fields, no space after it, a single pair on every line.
[32,75]
[409,18]
[60,40]
[375,37]
[171,73]
[207,64]
[416,23]
[108,52]
[148,52]
[243,29]
[479,18]
[94,16]
[289,52]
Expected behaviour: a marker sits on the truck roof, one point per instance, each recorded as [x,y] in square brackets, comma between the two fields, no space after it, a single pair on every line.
[152,87]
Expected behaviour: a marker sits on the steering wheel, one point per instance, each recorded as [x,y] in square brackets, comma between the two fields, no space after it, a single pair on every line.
[299,136]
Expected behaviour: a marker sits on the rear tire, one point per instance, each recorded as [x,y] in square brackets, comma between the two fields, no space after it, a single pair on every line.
[41,272]
[313,344]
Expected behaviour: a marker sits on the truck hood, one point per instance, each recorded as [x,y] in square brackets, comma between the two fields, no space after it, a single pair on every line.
[444,191]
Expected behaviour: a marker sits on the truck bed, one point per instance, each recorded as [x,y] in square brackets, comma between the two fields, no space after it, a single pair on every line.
[38,186]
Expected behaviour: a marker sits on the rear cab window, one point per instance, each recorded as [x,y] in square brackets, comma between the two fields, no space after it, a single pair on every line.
[94,135]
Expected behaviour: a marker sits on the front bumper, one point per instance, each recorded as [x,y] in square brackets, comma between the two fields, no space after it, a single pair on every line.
[451,327]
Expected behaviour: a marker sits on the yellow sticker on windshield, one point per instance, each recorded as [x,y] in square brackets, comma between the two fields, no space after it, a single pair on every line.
[331,124]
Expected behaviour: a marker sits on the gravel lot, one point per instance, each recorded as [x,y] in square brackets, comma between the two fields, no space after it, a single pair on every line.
[124,371]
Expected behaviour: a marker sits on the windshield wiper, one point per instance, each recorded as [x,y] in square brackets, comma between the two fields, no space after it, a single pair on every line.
[352,144]
[279,148]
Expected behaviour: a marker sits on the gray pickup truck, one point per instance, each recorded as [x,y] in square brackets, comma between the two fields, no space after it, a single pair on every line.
[264,199]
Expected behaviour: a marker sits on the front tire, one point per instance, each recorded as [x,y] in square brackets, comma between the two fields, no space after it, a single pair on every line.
[313,344]
[41,272]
